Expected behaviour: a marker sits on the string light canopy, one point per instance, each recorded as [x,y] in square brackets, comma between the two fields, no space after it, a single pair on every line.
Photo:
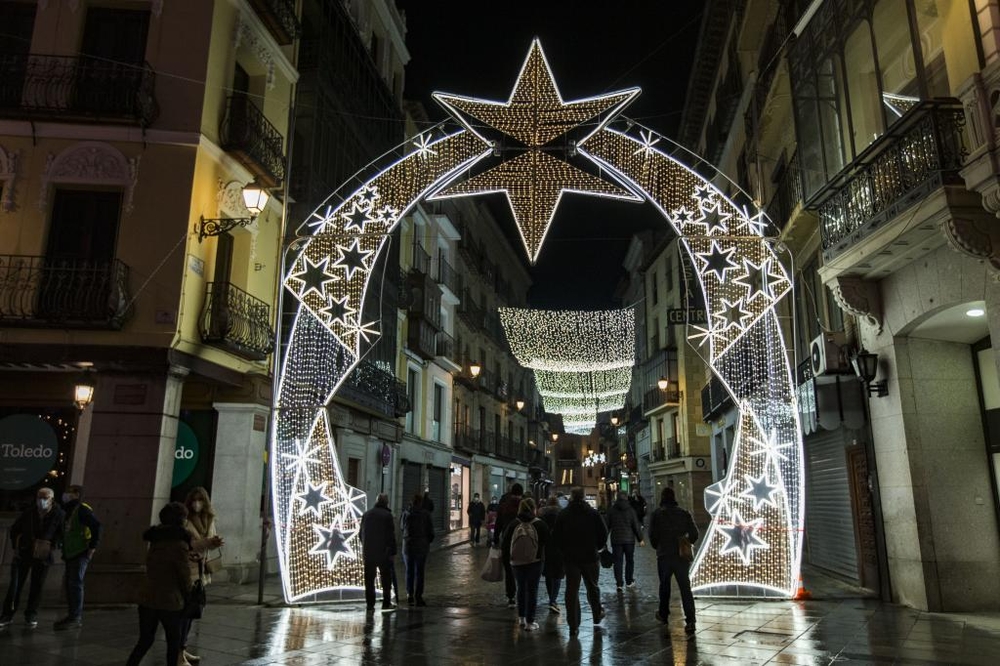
[753,545]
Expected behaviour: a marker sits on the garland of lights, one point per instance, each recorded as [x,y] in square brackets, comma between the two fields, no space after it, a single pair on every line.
[753,545]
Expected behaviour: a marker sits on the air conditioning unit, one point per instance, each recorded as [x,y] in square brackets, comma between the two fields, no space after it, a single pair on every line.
[825,355]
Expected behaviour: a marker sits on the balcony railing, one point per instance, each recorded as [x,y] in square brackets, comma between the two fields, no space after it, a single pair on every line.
[421,338]
[467,437]
[714,398]
[279,17]
[787,195]
[470,312]
[76,87]
[373,388]
[236,321]
[922,152]
[447,276]
[445,346]
[655,398]
[421,260]
[247,133]
[65,293]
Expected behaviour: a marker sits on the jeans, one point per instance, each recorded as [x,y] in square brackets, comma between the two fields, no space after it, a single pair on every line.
[665,567]
[20,568]
[415,575]
[510,585]
[475,534]
[76,569]
[383,570]
[626,551]
[185,627]
[527,577]
[148,619]
[588,572]
[552,587]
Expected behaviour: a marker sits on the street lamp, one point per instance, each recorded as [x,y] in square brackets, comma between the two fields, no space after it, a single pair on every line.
[475,369]
[255,198]
[83,391]
[519,404]
[555,437]
[663,383]
[865,366]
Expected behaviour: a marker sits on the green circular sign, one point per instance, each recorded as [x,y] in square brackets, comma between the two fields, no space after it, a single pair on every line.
[28,450]
[185,453]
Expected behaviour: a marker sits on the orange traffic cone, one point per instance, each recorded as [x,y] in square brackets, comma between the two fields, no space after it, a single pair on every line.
[802,594]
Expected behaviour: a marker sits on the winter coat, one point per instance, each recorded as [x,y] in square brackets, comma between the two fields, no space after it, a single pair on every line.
[378,534]
[639,506]
[508,535]
[168,576]
[623,523]
[30,526]
[79,519]
[200,545]
[553,567]
[580,533]
[418,531]
[669,522]
[477,513]
[506,513]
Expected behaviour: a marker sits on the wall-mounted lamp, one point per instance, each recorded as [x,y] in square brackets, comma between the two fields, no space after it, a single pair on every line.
[255,199]
[475,369]
[865,366]
[663,383]
[555,437]
[519,404]
[83,391]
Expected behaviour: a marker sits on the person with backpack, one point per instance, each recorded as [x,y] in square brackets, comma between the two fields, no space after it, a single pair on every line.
[625,531]
[579,534]
[666,526]
[81,536]
[418,532]
[523,545]
[506,514]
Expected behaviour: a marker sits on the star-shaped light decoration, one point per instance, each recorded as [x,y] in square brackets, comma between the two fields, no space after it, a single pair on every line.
[732,314]
[714,218]
[352,258]
[718,261]
[313,276]
[337,311]
[704,195]
[771,449]
[741,537]
[368,195]
[333,542]
[760,491]
[758,280]
[716,497]
[313,499]
[537,118]
[356,218]
[302,457]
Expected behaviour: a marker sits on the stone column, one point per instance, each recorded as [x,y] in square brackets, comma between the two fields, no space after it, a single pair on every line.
[237,481]
[130,464]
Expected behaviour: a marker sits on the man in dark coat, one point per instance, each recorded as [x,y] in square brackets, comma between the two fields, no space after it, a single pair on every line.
[638,503]
[81,536]
[668,523]
[418,532]
[378,542]
[477,514]
[506,514]
[625,531]
[579,534]
[34,535]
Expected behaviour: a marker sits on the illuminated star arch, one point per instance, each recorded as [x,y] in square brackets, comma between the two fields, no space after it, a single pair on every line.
[754,543]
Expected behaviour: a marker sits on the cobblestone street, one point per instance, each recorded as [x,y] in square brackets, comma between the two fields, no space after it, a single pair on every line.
[467,622]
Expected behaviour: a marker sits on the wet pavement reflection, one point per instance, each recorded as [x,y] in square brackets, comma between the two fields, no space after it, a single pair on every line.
[467,622]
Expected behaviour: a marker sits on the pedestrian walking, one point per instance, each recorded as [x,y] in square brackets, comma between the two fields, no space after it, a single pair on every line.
[625,531]
[204,538]
[33,535]
[552,569]
[378,543]
[579,534]
[81,536]
[418,533]
[506,513]
[638,503]
[668,523]
[166,585]
[491,519]
[477,514]
[523,544]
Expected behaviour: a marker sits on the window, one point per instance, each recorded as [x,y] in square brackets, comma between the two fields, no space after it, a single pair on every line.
[413,393]
[18,21]
[438,417]
[354,472]
[668,275]
[654,295]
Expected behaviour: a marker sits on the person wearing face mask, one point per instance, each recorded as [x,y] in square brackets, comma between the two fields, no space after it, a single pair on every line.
[81,534]
[34,535]
[201,527]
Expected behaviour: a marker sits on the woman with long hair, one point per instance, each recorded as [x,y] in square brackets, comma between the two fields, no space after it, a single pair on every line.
[201,527]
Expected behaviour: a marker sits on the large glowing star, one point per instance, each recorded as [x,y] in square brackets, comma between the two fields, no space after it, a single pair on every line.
[536,116]
[753,545]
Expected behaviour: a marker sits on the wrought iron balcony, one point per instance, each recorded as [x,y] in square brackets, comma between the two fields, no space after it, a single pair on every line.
[279,17]
[76,87]
[921,153]
[63,293]
[714,399]
[445,347]
[467,437]
[656,398]
[254,140]
[787,195]
[447,276]
[235,321]
[421,260]
[421,338]
[375,389]
[470,312]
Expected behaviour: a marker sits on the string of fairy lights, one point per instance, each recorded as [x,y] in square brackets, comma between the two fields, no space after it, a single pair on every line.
[582,360]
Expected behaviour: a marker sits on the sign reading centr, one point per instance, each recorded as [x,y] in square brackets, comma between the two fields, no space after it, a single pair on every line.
[28,450]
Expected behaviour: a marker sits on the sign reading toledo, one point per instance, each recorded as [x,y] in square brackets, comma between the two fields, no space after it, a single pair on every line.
[185,453]
[28,450]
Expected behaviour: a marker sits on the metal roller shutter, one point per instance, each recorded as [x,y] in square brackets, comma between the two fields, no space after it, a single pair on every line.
[411,482]
[829,513]
[437,481]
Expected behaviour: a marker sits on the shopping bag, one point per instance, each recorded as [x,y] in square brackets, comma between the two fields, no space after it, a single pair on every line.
[607,558]
[493,569]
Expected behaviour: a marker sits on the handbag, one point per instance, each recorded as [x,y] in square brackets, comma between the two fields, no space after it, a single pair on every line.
[214,564]
[493,569]
[607,558]
[41,549]
[684,549]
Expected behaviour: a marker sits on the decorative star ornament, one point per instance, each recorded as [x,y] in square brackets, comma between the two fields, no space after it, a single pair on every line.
[732,314]
[313,276]
[352,258]
[535,117]
[337,311]
[333,542]
[760,491]
[302,458]
[741,537]
[716,497]
[718,261]
[313,499]
[771,449]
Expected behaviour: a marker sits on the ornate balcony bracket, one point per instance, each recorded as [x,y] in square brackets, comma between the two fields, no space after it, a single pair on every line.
[980,238]
[215,226]
[860,298]
[977,238]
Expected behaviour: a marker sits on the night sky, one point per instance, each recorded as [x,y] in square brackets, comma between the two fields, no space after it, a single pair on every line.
[477,48]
